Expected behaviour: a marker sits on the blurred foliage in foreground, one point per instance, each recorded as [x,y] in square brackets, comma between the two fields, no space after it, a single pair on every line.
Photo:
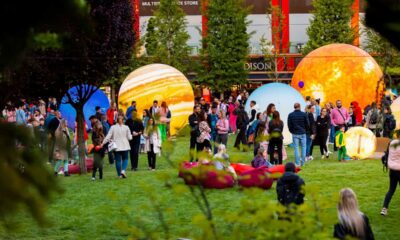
[258,217]
[25,179]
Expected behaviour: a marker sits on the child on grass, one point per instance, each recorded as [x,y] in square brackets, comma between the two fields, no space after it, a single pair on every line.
[340,139]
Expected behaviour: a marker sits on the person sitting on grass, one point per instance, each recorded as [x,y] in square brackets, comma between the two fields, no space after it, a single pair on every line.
[340,140]
[221,161]
[261,159]
[352,222]
[289,187]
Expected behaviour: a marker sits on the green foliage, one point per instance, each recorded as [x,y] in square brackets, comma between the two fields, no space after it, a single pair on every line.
[131,208]
[47,40]
[166,38]
[330,24]
[225,49]
[388,55]
[25,179]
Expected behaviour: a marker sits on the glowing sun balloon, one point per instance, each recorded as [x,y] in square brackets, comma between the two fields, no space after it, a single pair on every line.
[97,99]
[162,83]
[395,107]
[283,96]
[360,142]
[338,71]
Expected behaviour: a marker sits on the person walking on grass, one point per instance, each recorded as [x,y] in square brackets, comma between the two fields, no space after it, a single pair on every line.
[298,126]
[98,152]
[374,120]
[222,129]
[389,122]
[62,147]
[241,124]
[323,125]
[339,117]
[152,135]
[353,224]
[136,127]
[194,130]
[310,133]
[204,138]
[275,129]
[120,135]
[393,163]
[340,141]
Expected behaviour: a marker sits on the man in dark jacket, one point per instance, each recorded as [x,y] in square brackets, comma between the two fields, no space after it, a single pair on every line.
[289,187]
[241,123]
[194,129]
[298,126]
[136,127]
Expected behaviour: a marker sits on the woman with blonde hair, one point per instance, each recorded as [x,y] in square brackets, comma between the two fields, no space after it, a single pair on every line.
[352,222]
[62,147]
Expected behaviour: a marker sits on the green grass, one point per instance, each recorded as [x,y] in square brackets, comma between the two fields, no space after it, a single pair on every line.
[107,209]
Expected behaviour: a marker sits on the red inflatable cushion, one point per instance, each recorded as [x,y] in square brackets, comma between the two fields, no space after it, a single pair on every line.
[258,177]
[74,169]
[277,171]
[206,175]
[240,167]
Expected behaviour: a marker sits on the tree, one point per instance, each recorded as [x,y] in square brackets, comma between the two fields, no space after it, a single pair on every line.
[388,55]
[22,164]
[166,38]
[225,48]
[88,58]
[98,56]
[330,24]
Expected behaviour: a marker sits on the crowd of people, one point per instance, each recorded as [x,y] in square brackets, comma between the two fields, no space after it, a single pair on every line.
[122,135]
[125,130]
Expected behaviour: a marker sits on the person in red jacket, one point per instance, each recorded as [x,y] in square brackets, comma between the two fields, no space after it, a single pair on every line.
[357,112]
[112,113]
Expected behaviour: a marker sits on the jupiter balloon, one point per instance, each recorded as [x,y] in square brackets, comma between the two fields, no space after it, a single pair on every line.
[339,71]
[162,83]
[360,142]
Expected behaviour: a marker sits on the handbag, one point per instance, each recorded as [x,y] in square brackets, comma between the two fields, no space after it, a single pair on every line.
[112,146]
[250,138]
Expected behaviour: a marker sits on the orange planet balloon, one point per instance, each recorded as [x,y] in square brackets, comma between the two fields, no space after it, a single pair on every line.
[339,71]
[162,83]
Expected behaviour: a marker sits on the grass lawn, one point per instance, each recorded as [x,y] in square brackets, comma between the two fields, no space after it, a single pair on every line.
[107,209]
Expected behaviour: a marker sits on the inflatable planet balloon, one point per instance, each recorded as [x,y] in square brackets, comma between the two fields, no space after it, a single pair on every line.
[360,142]
[283,96]
[339,71]
[162,83]
[395,107]
[98,99]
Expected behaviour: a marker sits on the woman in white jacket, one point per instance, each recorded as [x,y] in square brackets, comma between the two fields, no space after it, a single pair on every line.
[152,135]
[120,135]
[394,173]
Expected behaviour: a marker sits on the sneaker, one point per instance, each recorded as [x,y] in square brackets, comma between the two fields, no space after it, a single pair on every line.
[327,155]
[66,174]
[123,174]
[323,156]
[310,158]
[93,179]
[384,212]
[56,174]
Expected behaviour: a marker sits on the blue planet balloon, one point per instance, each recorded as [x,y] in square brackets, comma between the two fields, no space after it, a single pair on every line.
[97,99]
[283,96]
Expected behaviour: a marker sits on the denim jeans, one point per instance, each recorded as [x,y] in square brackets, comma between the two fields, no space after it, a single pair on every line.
[309,143]
[121,158]
[299,139]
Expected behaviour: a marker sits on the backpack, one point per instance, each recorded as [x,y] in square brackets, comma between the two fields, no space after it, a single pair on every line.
[197,132]
[374,117]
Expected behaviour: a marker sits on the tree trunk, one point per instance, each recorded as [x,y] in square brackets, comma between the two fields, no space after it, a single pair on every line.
[80,119]
[112,93]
